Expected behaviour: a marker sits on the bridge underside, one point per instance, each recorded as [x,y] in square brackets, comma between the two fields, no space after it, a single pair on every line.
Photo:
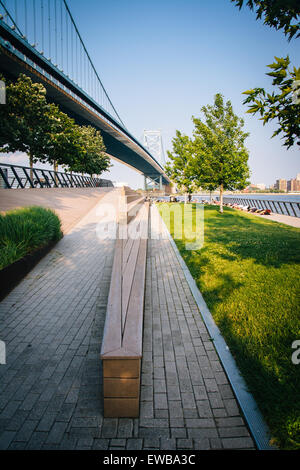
[118,145]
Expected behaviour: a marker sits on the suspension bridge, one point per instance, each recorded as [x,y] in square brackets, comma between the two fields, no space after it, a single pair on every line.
[40,38]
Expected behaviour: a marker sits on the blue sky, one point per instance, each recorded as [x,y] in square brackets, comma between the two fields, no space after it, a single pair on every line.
[161,61]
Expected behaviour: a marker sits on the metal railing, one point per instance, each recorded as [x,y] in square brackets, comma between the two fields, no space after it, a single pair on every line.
[278,207]
[15,176]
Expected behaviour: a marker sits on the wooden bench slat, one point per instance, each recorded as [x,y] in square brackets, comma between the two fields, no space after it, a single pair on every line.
[126,251]
[133,333]
[112,338]
[127,280]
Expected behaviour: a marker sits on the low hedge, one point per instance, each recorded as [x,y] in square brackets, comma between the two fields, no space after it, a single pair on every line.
[26,230]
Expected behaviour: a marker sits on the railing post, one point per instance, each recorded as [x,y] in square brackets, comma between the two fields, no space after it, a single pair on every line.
[65,184]
[279,205]
[292,206]
[37,177]
[53,179]
[69,179]
[77,180]
[58,178]
[288,212]
[46,178]
[4,174]
[17,177]
[28,178]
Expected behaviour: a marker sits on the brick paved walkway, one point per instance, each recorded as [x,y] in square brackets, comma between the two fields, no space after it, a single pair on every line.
[52,323]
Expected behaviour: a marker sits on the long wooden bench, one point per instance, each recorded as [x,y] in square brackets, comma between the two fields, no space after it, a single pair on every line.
[121,351]
[129,204]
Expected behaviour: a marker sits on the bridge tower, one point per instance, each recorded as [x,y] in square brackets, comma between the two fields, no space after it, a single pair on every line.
[152,140]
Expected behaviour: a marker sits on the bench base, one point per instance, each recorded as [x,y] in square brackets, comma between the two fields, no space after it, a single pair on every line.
[121,387]
[121,407]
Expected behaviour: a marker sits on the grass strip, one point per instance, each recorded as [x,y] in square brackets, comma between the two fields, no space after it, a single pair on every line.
[248,273]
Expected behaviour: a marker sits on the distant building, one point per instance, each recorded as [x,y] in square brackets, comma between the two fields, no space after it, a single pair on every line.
[251,188]
[260,186]
[281,185]
[294,184]
[120,184]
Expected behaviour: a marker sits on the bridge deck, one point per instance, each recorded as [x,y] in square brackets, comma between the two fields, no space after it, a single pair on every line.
[52,324]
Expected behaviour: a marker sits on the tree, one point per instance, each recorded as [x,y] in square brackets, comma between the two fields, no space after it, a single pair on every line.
[220,157]
[278,14]
[24,118]
[179,167]
[92,159]
[63,139]
[282,106]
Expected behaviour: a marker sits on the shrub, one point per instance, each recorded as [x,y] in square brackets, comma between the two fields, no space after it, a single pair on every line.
[24,230]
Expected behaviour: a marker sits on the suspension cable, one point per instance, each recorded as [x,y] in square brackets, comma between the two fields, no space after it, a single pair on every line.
[89,59]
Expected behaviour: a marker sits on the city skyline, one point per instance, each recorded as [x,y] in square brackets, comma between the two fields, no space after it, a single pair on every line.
[294,177]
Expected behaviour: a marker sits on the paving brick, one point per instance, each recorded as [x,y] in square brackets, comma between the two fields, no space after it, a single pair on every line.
[125,428]
[10,409]
[200,423]
[178,432]
[151,443]
[202,444]
[234,431]
[5,439]
[167,444]
[185,443]
[101,444]
[46,422]
[84,443]
[146,409]
[160,401]
[109,428]
[25,432]
[134,444]
[37,440]
[175,409]
[237,443]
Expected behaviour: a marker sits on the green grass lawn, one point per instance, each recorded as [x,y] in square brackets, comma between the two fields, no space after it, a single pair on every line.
[24,230]
[249,275]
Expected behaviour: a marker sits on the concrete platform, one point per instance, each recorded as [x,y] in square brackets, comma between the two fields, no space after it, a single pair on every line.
[70,204]
[282,219]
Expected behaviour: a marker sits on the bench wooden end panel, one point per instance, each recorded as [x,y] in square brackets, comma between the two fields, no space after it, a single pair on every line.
[121,407]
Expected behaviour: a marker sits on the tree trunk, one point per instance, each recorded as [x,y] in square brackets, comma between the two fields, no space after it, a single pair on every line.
[185,197]
[55,168]
[221,198]
[31,166]
[210,201]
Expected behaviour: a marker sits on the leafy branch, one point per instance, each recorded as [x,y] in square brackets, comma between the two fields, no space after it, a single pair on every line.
[283,105]
[278,14]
